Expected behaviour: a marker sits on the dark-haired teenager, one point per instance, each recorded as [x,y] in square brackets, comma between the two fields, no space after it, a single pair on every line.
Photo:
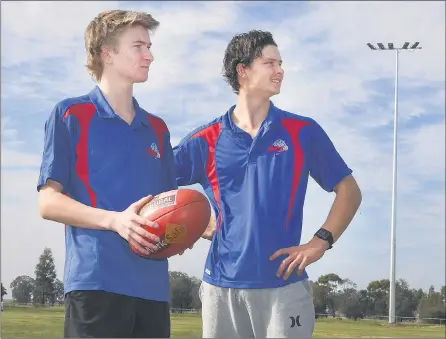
[254,163]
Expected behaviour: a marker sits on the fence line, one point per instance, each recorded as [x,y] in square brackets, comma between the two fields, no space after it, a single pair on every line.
[401,320]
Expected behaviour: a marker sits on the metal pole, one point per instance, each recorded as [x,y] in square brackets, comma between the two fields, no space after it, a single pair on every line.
[392,289]
[394,184]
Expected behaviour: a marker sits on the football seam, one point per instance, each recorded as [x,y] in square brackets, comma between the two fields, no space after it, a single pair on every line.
[171,211]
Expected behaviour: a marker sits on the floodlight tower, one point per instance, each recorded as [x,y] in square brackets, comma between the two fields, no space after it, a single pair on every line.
[390,47]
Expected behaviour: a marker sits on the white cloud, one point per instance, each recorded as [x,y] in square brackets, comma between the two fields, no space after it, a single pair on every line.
[185,86]
[374,22]
[15,158]
[9,134]
[24,233]
[426,152]
[47,29]
[182,52]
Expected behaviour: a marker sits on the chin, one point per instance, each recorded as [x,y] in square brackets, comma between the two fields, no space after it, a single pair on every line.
[138,80]
[273,92]
[140,76]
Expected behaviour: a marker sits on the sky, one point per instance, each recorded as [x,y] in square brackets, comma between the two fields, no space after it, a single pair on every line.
[330,75]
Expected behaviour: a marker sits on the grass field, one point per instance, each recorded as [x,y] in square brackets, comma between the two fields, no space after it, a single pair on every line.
[27,322]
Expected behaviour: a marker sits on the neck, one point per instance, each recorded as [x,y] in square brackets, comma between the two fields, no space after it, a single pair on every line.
[250,111]
[119,95]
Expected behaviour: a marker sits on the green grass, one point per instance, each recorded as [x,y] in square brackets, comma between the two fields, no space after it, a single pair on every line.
[28,322]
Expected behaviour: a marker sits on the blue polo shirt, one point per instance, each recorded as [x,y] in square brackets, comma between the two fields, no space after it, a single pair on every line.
[103,162]
[257,189]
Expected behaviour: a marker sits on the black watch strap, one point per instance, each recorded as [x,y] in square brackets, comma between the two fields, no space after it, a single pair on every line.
[326,235]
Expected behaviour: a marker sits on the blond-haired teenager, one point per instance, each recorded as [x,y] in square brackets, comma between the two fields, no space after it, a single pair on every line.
[103,158]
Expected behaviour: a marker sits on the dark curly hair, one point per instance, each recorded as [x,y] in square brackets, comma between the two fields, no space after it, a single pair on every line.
[243,49]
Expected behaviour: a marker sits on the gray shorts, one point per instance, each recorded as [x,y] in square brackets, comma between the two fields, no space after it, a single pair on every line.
[284,312]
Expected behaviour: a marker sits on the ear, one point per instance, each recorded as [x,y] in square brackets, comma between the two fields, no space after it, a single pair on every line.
[105,55]
[241,70]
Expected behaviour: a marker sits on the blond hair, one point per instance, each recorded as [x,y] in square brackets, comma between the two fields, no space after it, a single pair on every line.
[103,30]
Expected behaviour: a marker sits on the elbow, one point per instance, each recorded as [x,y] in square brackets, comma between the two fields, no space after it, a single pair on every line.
[350,191]
[43,209]
[358,196]
[45,206]
[355,194]
[48,196]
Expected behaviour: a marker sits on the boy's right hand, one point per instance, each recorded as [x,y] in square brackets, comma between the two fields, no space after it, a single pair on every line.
[210,229]
[128,225]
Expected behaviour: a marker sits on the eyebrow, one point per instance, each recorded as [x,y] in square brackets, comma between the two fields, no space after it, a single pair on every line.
[273,59]
[142,42]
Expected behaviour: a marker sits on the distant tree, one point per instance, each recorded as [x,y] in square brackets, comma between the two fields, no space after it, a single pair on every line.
[3,291]
[331,284]
[195,293]
[406,299]
[364,302]
[331,279]
[418,295]
[432,306]
[350,306]
[59,291]
[443,293]
[378,293]
[180,290]
[319,298]
[349,300]
[333,294]
[22,289]
[45,280]
[431,290]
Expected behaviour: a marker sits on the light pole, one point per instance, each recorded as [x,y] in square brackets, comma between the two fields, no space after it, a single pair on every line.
[390,47]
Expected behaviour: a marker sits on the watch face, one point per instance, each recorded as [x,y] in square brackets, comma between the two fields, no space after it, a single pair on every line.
[323,233]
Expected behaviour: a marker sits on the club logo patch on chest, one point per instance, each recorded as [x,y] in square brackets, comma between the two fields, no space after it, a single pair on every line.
[153,151]
[278,146]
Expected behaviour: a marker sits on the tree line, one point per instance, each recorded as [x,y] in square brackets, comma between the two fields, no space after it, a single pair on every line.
[333,296]
[42,289]
[340,297]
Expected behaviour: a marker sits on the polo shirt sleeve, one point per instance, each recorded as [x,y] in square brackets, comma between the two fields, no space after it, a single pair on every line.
[169,170]
[56,156]
[326,165]
[189,162]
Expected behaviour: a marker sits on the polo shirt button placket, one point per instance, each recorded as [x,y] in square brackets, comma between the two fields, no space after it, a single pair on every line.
[252,157]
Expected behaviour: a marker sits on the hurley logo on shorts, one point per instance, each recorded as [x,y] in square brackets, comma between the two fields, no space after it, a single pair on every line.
[278,146]
[295,321]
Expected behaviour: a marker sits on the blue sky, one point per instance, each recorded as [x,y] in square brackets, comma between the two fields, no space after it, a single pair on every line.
[330,75]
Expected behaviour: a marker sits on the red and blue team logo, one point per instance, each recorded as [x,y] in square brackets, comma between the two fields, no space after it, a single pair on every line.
[278,146]
[153,151]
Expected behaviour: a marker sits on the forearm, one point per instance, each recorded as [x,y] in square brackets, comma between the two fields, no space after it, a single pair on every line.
[60,208]
[347,201]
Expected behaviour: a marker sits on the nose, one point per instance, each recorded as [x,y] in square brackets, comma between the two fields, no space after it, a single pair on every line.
[149,56]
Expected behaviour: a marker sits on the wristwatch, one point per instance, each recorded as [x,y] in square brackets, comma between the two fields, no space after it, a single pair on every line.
[326,235]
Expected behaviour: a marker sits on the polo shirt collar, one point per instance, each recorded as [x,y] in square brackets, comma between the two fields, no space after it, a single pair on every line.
[271,119]
[106,111]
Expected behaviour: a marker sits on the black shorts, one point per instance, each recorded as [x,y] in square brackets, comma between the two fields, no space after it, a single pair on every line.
[102,314]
